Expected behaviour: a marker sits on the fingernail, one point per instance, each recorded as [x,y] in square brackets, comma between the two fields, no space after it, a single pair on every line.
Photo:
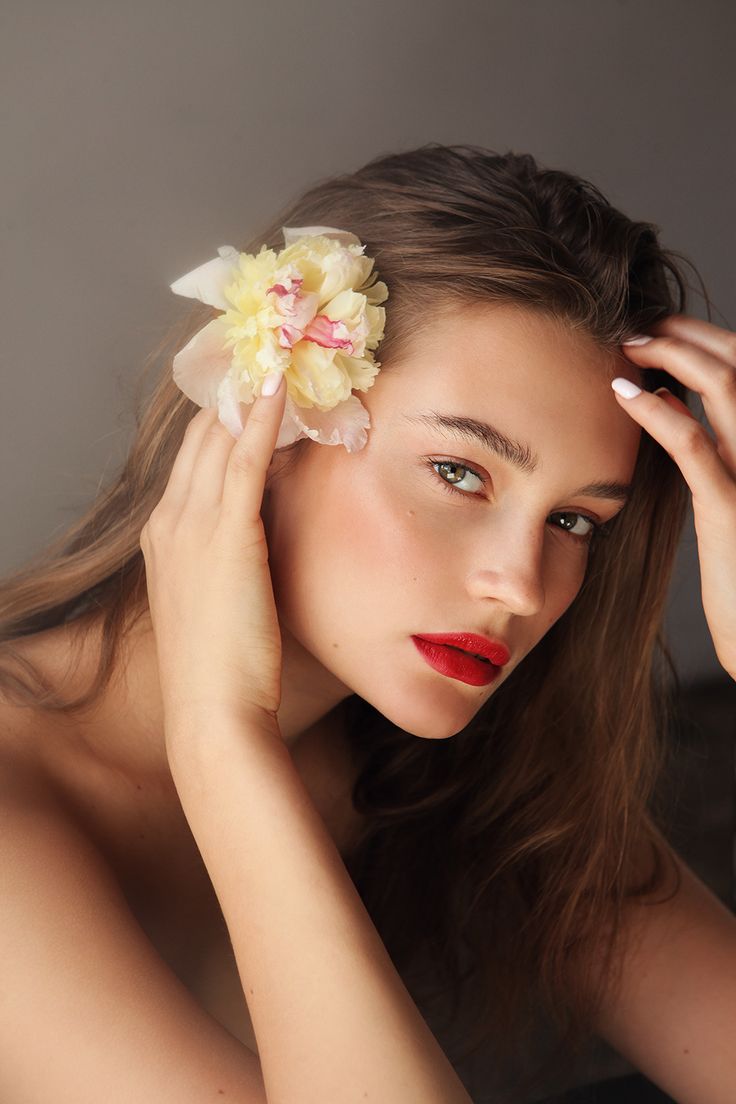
[640,339]
[663,391]
[271,383]
[625,387]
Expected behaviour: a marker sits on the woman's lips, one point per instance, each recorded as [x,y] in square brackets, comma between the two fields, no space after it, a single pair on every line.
[477,644]
[455,663]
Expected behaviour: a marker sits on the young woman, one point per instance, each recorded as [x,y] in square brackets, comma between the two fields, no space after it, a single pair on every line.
[249,807]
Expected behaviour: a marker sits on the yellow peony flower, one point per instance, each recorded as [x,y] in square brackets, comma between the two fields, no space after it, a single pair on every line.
[310,311]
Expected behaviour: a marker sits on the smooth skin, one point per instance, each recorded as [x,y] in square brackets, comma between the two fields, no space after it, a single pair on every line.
[675,1016]
[703,357]
[332,1018]
[700,362]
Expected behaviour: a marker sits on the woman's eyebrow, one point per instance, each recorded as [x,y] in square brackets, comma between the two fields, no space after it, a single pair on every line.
[513,452]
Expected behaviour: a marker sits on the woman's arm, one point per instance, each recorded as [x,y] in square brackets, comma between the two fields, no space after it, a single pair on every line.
[333,1019]
[675,1015]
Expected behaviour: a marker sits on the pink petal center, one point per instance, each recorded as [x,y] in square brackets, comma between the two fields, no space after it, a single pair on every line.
[288,335]
[328,333]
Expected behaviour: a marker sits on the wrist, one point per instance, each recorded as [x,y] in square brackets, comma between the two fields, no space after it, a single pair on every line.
[205,722]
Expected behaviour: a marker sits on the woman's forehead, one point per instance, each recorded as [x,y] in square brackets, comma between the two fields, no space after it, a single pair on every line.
[497,339]
[544,388]
[488,368]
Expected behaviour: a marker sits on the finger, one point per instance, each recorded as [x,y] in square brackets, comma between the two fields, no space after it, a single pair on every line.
[673,402]
[207,478]
[177,487]
[208,474]
[701,371]
[250,458]
[713,339]
[690,446]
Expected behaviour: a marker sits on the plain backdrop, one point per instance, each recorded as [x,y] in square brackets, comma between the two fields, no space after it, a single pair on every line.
[138,137]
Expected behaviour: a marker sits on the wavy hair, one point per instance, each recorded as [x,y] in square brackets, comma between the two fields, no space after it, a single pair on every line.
[509,853]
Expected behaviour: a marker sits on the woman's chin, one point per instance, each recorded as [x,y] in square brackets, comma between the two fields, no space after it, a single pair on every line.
[428,724]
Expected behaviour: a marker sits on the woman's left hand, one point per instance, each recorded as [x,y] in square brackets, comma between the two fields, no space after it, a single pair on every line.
[703,357]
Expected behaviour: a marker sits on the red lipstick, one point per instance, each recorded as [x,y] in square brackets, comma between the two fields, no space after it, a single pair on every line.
[456,655]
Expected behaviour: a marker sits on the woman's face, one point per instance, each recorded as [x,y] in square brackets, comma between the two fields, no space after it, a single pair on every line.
[370,548]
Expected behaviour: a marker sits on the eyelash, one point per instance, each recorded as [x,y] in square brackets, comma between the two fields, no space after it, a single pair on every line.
[600,529]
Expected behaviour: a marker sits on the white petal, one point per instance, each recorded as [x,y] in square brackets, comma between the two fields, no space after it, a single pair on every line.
[290,430]
[233,405]
[361,371]
[228,407]
[199,367]
[208,281]
[343,269]
[376,293]
[293,233]
[345,424]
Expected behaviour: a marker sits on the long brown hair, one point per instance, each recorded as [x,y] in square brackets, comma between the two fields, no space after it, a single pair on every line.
[510,851]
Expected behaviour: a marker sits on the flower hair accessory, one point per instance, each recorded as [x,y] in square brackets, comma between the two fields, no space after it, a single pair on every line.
[310,311]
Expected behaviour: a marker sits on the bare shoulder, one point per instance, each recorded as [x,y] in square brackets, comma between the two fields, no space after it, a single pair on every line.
[88,1002]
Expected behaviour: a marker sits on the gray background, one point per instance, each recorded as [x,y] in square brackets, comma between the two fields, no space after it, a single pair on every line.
[137,138]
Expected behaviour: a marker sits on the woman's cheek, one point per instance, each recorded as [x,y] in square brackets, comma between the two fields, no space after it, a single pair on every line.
[394,522]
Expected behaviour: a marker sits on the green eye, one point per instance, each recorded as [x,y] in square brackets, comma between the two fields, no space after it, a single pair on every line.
[449,468]
[450,484]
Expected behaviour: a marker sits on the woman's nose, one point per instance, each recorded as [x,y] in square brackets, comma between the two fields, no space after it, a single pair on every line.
[512,573]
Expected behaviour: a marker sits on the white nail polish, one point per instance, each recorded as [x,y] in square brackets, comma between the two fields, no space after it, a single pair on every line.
[640,339]
[271,383]
[625,387]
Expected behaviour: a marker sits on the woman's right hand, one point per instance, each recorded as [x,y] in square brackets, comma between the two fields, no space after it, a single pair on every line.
[209,586]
